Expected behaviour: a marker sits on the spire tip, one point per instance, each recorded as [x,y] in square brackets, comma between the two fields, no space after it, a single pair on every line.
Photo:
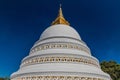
[60,5]
[60,19]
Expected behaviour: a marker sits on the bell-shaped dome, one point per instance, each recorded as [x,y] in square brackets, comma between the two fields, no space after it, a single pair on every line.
[60,30]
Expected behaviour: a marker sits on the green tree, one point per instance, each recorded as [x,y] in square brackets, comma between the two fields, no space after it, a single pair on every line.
[112,68]
[1,78]
[6,78]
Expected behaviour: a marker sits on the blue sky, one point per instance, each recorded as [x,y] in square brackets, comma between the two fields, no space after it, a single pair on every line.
[22,22]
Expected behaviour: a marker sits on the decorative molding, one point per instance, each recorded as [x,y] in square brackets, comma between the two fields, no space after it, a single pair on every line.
[56,78]
[58,59]
[60,37]
[79,74]
[60,55]
[59,46]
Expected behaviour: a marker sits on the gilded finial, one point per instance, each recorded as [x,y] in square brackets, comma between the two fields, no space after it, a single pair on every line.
[60,19]
[60,11]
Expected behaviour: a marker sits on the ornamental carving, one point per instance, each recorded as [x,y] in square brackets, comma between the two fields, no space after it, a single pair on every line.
[41,60]
[56,78]
[60,46]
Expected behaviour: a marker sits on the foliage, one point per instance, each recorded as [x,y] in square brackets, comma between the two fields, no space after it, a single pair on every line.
[4,78]
[1,78]
[112,68]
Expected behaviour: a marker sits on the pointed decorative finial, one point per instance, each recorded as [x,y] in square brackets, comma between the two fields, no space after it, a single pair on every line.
[60,11]
[60,19]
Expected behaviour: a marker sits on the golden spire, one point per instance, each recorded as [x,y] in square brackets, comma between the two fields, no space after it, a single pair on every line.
[60,19]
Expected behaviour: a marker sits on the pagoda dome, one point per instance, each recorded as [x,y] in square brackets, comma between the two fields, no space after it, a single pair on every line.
[60,30]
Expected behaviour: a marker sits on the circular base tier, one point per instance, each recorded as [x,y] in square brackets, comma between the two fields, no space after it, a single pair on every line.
[60,76]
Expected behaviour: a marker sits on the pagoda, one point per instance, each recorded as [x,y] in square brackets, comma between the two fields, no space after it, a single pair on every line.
[60,54]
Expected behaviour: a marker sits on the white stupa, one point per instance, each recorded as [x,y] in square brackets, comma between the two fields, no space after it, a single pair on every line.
[60,54]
